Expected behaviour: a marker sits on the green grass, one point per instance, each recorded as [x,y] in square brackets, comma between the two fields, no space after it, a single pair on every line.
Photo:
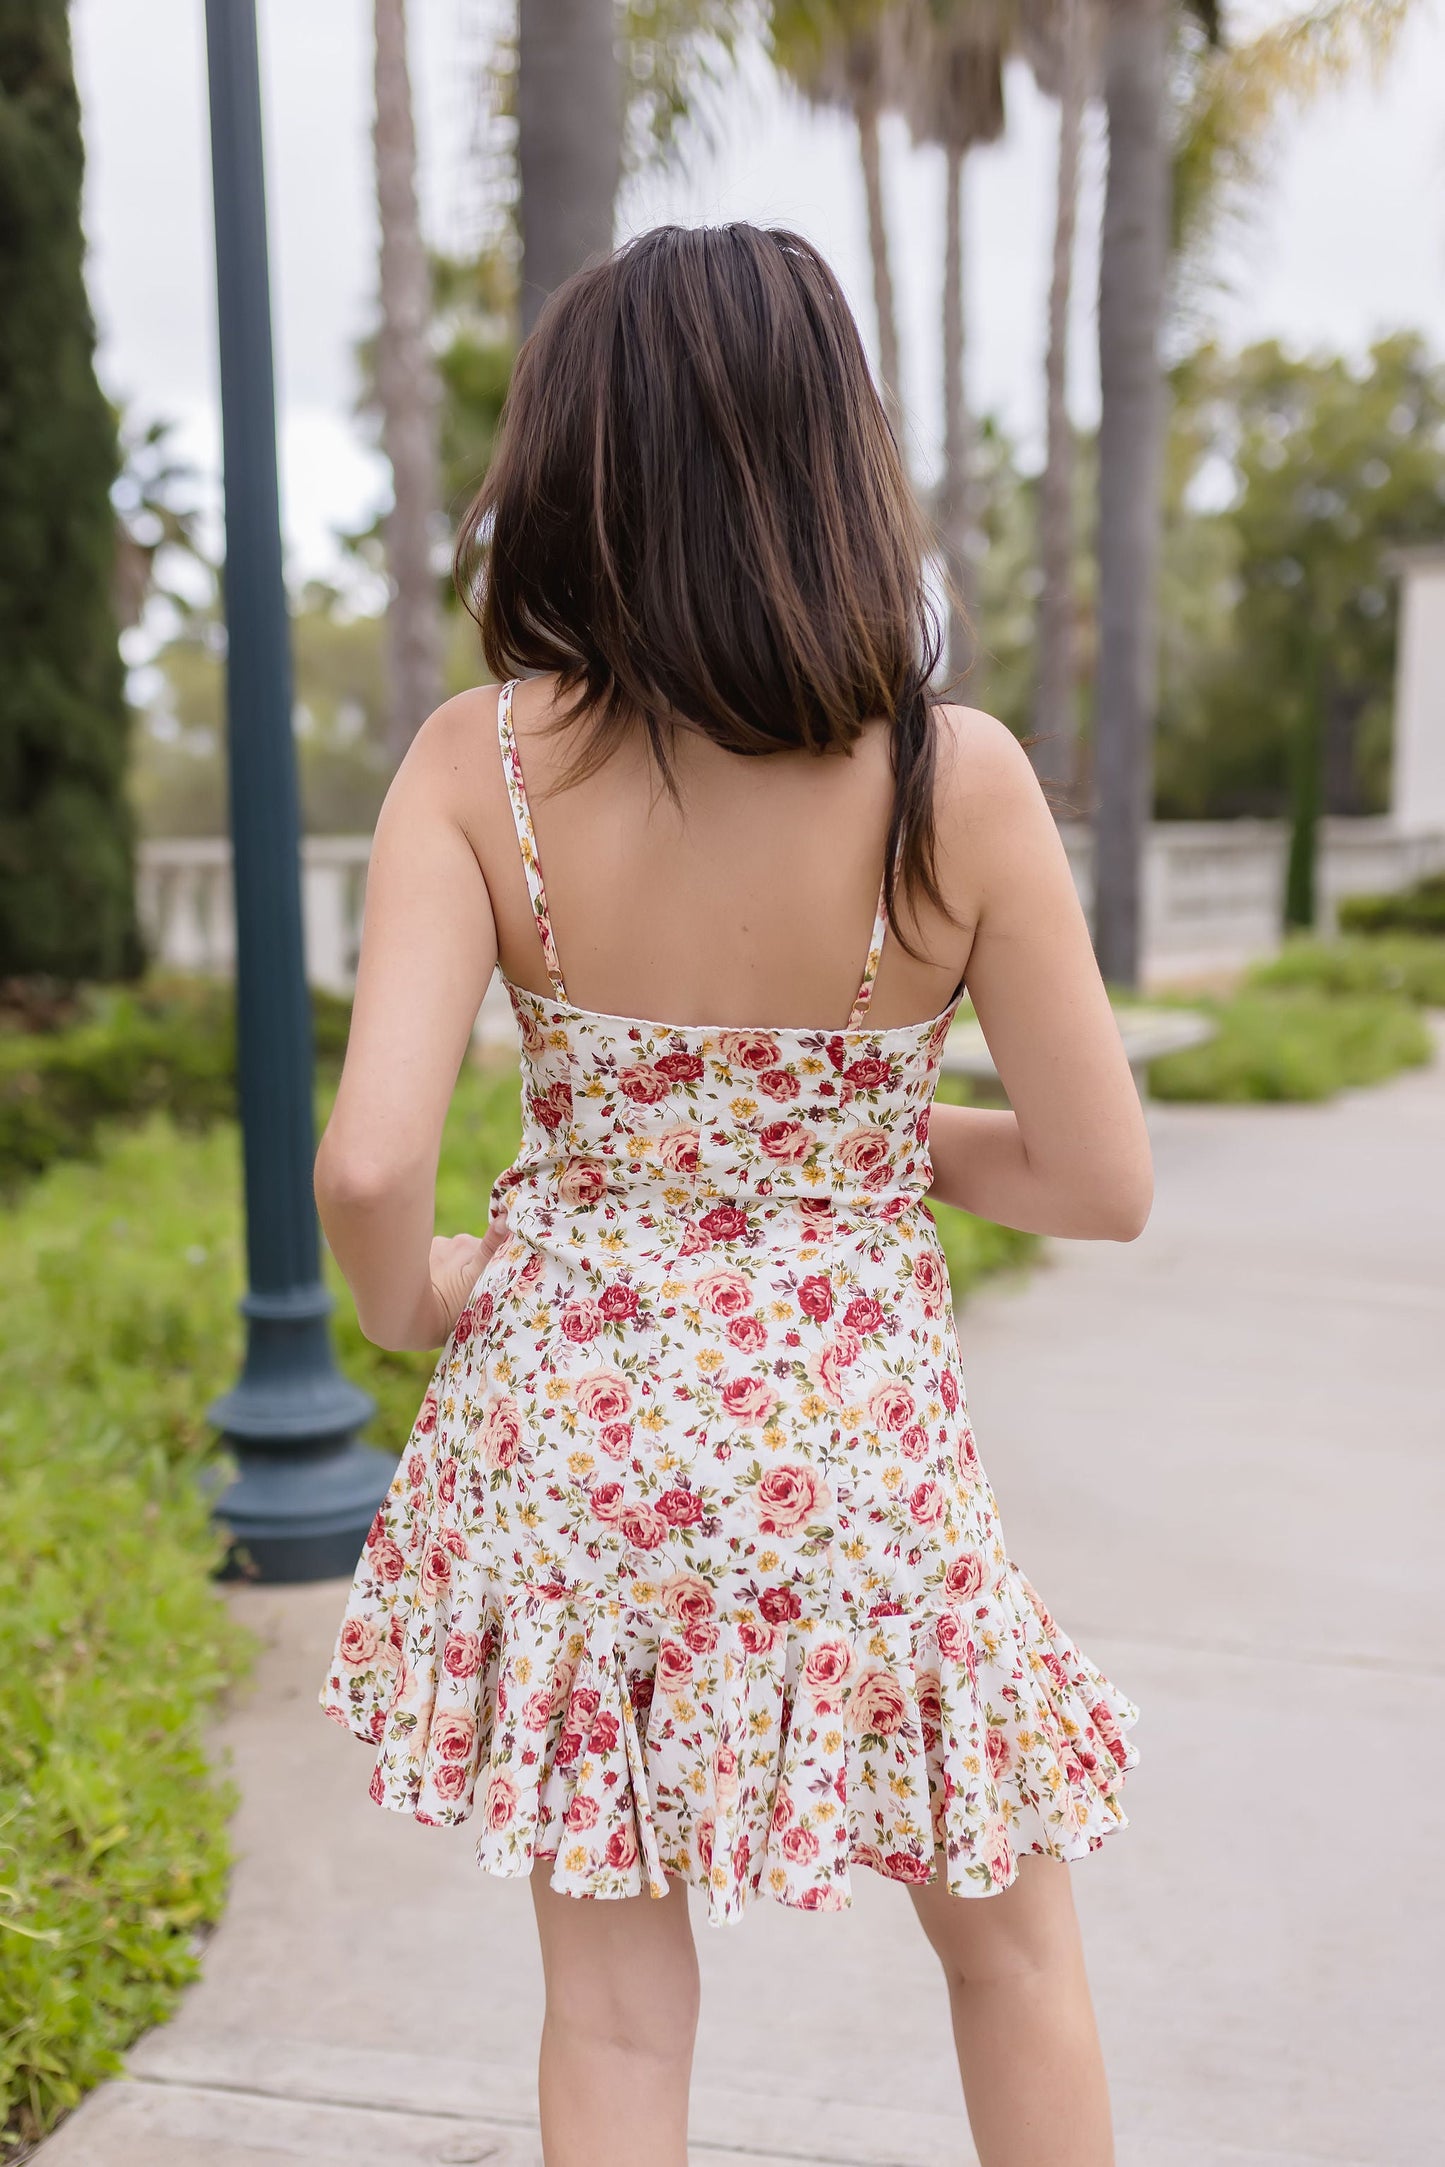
[1286,1044]
[1408,966]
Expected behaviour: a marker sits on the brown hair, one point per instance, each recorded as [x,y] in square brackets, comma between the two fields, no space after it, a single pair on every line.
[697,512]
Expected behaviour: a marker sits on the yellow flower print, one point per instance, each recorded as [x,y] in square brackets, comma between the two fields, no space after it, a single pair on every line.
[768,1561]
[651,1418]
[743,1109]
[559,1388]
[710,1360]
[580,1464]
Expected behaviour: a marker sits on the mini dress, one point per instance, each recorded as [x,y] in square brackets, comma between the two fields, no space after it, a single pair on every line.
[690,1566]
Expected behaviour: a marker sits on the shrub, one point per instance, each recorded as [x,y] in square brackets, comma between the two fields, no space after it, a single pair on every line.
[1406,965]
[1419,909]
[168,1044]
[1288,1044]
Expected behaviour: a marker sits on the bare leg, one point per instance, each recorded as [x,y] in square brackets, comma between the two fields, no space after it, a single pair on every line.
[622,2000]
[1023,2022]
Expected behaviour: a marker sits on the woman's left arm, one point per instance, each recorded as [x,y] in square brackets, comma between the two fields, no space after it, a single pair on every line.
[428,949]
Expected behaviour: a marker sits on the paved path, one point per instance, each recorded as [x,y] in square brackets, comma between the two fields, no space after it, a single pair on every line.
[1218,1455]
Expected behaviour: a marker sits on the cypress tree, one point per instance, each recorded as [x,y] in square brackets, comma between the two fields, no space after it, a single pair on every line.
[66,836]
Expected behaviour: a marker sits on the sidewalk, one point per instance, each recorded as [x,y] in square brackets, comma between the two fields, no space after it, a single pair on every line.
[1218,1456]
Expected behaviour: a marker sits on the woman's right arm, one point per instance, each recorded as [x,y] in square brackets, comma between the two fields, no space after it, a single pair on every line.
[1071,1155]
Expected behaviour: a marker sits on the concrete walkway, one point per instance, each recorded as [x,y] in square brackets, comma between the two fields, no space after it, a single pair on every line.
[1218,1456]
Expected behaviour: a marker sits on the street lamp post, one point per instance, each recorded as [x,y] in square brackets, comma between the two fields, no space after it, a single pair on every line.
[306,1489]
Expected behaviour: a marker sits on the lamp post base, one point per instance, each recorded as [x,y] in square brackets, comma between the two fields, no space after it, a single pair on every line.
[307,1489]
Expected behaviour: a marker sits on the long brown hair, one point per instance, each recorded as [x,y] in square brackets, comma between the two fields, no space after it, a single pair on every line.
[697,513]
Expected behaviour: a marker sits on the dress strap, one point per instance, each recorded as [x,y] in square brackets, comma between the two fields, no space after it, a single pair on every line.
[870,968]
[526,835]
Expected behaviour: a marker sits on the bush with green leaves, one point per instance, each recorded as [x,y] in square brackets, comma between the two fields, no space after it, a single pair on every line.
[1408,966]
[1287,1044]
[1419,909]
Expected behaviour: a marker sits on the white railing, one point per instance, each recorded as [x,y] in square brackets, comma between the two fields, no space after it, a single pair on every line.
[1212,893]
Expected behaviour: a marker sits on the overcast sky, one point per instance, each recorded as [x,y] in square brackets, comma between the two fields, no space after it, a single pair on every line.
[1346,241]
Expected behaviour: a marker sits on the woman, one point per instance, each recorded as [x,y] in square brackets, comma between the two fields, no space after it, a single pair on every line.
[690,1573]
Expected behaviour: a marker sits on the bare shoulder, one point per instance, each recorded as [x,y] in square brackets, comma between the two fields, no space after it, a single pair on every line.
[454,741]
[981,763]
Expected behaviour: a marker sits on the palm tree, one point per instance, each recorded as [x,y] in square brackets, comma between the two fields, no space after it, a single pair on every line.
[569,140]
[953,96]
[1133,289]
[1059,39]
[845,54]
[407,394]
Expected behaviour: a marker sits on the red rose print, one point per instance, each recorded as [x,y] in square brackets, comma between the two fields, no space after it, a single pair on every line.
[644,1084]
[643,1527]
[604,1734]
[376,1530]
[618,1303]
[359,1641]
[553,1106]
[748,1399]
[799,1844]
[680,1508]
[754,1050]
[786,1498]
[866,1153]
[779,1083]
[926,1504]
[931,1281]
[582,1812]
[996,1750]
[965,1577]
[500,1803]
[724,1223]
[890,1406]
[674,1667]
[866,1074]
[723,1292]
[450,1780]
[952,1635]
[827,1667]
[615,1438]
[426,1421]
[447,1480]
[678,1150]
[913,1444]
[582,1181]
[687,1598]
[537,1710]
[376,1789]
[580,1321]
[863,1314]
[436,1569]
[702,1639]
[500,1432]
[815,1298]
[780,1605]
[948,1390]
[755,1638]
[453,1736]
[748,1334]
[903,1866]
[788,1141]
[387,1561]
[877,1703]
[607,1500]
[462,1654]
[681,1067]
[603,1396]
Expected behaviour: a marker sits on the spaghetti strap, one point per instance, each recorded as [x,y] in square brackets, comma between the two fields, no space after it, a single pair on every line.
[870,968]
[526,836]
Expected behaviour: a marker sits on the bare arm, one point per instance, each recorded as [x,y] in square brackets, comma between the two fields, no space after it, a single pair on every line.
[428,949]
[1072,1155]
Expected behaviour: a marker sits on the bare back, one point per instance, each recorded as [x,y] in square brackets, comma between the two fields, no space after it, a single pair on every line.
[750,902]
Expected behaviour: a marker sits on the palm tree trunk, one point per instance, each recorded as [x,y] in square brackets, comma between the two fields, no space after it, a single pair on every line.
[1132,287]
[954,506]
[1055,754]
[569,140]
[407,391]
[866,113]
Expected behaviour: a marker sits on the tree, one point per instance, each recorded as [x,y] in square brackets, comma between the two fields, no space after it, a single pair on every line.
[953,95]
[66,892]
[1289,705]
[845,54]
[407,395]
[1059,38]
[569,140]
[1133,287]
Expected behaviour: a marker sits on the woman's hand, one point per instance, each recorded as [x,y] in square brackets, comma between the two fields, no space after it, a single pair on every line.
[457,1263]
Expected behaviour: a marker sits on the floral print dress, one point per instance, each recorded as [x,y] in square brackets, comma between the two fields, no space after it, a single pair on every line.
[690,1566]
